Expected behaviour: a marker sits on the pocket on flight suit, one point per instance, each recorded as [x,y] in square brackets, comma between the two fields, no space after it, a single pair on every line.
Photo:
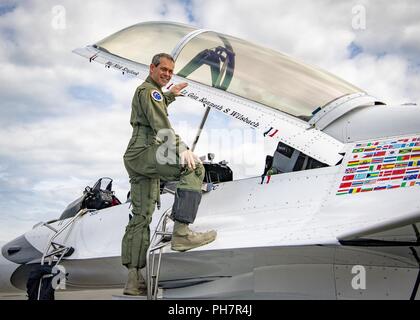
[192,179]
[135,146]
[142,161]
[126,246]
[148,196]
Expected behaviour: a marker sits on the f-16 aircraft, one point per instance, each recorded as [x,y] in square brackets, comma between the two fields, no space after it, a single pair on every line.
[335,215]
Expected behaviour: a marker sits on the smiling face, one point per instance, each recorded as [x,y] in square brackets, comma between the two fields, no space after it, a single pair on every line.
[162,73]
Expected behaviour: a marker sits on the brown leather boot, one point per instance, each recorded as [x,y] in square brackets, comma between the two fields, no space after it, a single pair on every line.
[141,284]
[132,286]
[184,239]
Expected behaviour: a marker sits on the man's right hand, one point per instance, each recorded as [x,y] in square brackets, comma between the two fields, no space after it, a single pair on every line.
[189,158]
[176,89]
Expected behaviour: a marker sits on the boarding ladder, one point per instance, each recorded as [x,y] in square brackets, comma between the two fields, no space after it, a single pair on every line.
[160,239]
[55,251]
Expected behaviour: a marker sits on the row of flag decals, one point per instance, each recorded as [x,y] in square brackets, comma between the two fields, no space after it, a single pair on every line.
[382,165]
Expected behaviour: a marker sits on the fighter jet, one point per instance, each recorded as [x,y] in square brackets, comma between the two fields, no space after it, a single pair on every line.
[335,214]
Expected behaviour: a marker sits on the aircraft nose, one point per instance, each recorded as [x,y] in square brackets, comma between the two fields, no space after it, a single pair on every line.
[20,251]
[7,268]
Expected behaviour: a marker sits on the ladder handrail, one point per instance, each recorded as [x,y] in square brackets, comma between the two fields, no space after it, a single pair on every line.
[61,248]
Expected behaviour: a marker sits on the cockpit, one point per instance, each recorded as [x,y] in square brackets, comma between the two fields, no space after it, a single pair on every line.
[237,66]
[98,197]
[241,68]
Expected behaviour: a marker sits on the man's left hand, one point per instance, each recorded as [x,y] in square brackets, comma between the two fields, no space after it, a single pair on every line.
[176,90]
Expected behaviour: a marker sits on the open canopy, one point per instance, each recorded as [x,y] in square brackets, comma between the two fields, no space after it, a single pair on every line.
[228,63]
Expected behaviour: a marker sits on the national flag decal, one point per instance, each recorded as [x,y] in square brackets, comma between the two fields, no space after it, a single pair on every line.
[270,132]
[380,165]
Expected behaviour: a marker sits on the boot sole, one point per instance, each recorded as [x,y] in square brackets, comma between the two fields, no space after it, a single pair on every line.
[132,293]
[183,249]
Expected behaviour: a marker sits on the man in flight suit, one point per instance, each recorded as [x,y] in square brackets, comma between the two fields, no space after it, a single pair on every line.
[155,152]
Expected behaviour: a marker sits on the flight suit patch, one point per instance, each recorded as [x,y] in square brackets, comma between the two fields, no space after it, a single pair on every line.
[156,96]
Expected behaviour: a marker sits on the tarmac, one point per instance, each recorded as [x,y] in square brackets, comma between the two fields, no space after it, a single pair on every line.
[103,294]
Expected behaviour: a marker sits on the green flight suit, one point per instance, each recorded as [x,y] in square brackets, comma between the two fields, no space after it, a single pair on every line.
[151,156]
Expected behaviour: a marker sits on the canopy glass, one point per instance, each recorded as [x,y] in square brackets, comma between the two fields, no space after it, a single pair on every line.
[234,65]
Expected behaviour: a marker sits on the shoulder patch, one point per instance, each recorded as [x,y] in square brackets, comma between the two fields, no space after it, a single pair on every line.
[156,95]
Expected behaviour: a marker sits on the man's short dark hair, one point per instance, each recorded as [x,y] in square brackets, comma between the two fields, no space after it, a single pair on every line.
[157,57]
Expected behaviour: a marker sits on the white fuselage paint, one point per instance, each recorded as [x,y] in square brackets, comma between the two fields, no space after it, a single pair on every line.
[264,232]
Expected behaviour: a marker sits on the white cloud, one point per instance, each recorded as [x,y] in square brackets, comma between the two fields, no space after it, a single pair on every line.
[320,33]
[54,141]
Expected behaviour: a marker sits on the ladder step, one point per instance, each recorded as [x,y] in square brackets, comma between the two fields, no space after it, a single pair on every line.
[166,236]
[164,233]
[159,246]
[55,244]
[69,252]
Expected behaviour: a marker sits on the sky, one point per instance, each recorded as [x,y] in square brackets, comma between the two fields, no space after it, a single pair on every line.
[65,122]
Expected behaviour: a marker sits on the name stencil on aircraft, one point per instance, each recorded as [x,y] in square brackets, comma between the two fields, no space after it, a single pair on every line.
[382,165]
